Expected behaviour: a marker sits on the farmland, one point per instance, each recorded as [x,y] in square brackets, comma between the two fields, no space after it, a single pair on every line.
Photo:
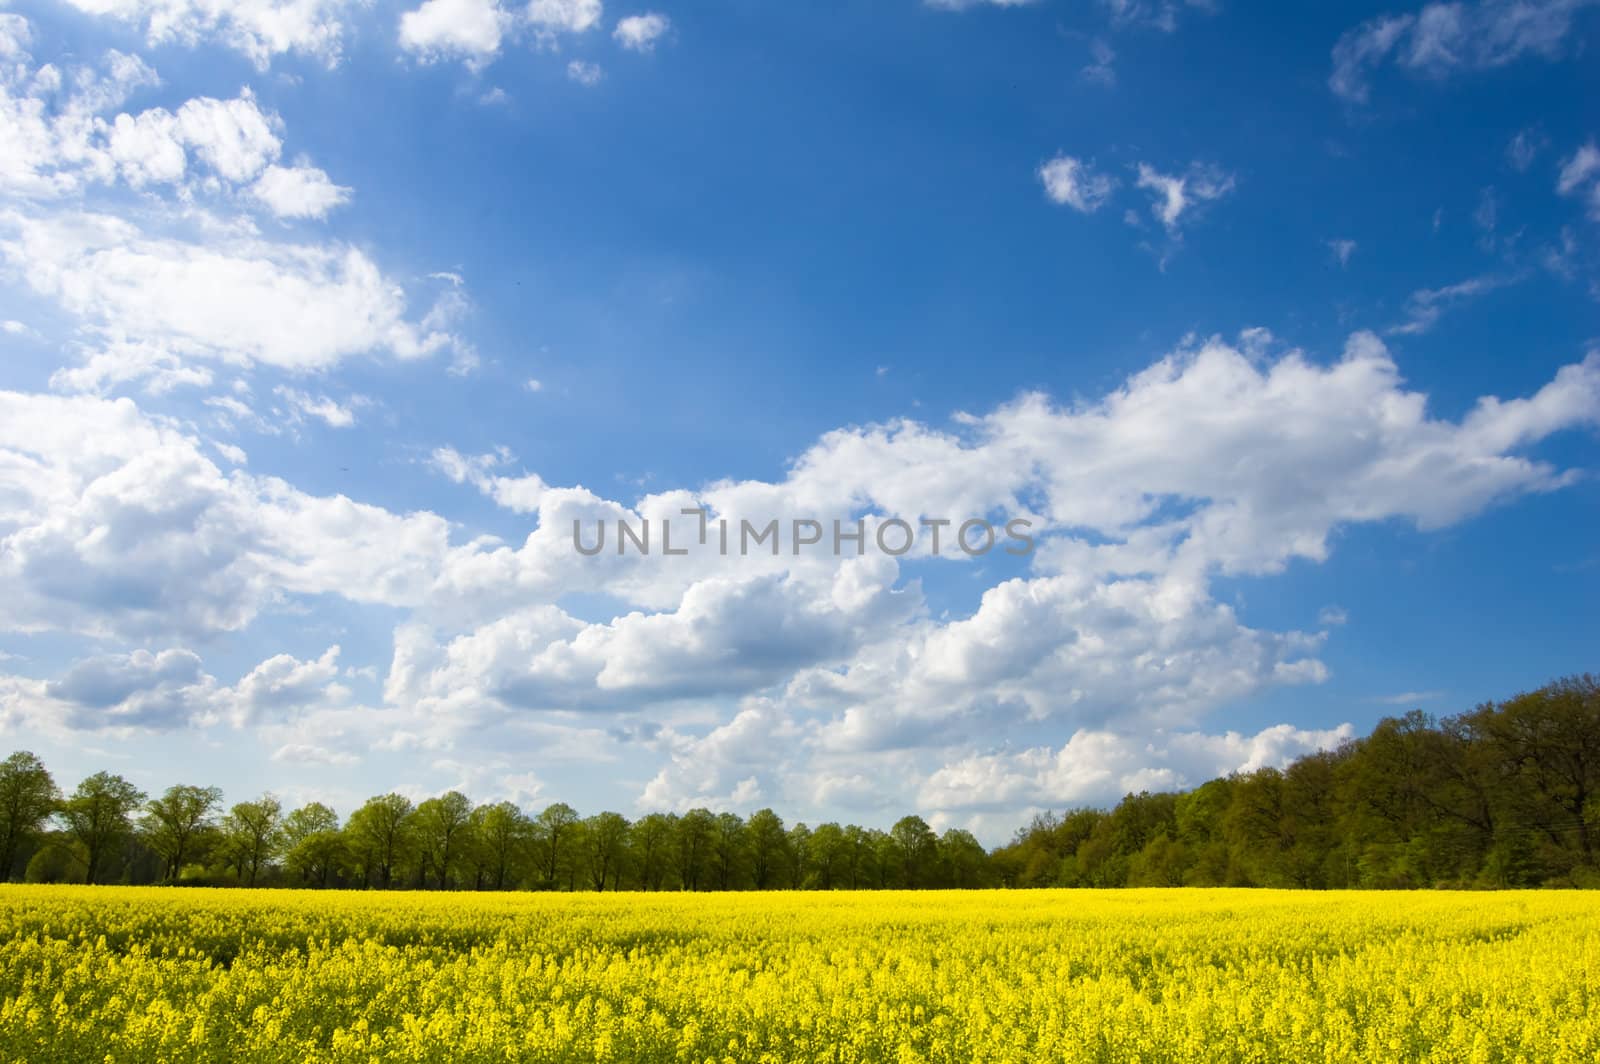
[164,974]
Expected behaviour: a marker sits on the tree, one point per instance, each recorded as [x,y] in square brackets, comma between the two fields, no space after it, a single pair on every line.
[252,833]
[827,854]
[502,832]
[1548,742]
[99,816]
[442,828]
[650,842]
[27,798]
[606,841]
[727,850]
[554,830]
[916,845]
[694,846]
[379,834]
[963,862]
[798,852]
[177,822]
[312,842]
[767,845]
[859,867]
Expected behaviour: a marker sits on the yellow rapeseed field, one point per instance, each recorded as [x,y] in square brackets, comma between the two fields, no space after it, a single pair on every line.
[151,974]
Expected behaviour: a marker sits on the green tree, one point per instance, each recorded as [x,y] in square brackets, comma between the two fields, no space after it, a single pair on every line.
[28,796]
[252,833]
[502,832]
[379,835]
[693,847]
[827,855]
[799,855]
[99,815]
[767,846]
[916,846]
[313,846]
[728,850]
[442,829]
[962,860]
[555,832]
[606,843]
[650,843]
[176,823]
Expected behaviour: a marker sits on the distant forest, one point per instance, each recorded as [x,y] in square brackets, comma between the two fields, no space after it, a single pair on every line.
[1507,795]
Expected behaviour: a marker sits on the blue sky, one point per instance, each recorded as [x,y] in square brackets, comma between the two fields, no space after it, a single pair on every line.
[323,321]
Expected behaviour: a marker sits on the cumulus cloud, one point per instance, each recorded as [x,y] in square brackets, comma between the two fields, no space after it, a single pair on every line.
[1444,39]
[145,691]
[261,30]
[520,493]
[291,306]
[64,142]
[1099,767]
[298,191]
[1073,183]
[563,16]
[469,29]
[1222,458]
[639,33]
[117,524]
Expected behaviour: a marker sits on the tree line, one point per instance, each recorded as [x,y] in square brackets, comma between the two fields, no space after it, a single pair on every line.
[1507,795]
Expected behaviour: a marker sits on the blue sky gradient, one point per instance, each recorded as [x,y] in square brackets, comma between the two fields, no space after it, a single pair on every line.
[734,252]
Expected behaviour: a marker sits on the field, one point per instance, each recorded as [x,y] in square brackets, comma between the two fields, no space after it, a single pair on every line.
[150,974]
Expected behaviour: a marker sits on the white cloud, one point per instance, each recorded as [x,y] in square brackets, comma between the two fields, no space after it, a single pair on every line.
[117,524]
[520,494]
[1099,767]
[1219,459]
[586,74]
[469,29]
[1332,616]
[232,136]
[55,140]
[1174,195]
[1409,699]
[562,16]
[1073,183]
[261,30]
[1580,175]
[298,192]
[639,33]
[962,5]
[1113,635]
[1426,306]
[121,362]
[293,306]
[1443,39]
[1159,15]
[320,407]
[1342,250]
[61,144]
